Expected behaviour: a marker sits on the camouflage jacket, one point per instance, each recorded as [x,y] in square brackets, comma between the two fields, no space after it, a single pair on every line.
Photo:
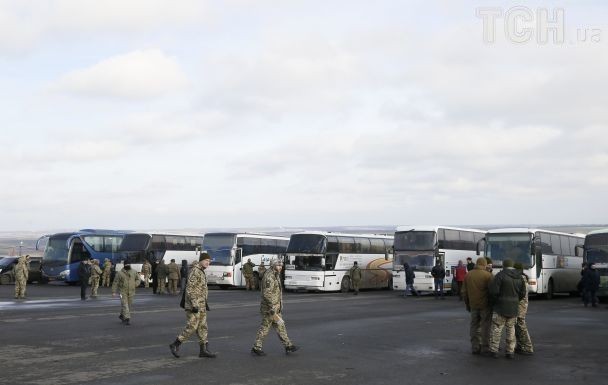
[107,267]
[95,271]
[355,273]
[173,270]
[146,268]
[161,270]
[22,270]
[248,269]
[125,282]
[196,289]
[272,295]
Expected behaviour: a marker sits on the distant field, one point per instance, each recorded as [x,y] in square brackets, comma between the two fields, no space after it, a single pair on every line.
[10,246]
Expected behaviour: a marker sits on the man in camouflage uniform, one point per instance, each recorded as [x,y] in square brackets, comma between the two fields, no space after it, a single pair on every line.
[107,272]
[21,275]
[506,290]
[523,345]
[271,308]
[173,275]
[95,275]
[146,270]
[196,307]
[248,274]
[355,276]
[125,283]
[475,295]
[162,271]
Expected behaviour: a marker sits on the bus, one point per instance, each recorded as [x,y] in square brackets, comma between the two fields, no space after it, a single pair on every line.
[549,258]
[64,251]
[595,250]
[139,246]
[422,246]
[229,251]
[320,261]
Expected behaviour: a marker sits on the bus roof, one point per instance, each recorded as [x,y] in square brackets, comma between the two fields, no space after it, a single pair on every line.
[527,230]
[435,228]
[329,233]
[600,231]
[246,234]
[165,233]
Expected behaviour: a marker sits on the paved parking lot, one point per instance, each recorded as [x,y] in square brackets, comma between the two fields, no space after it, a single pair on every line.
[374,338]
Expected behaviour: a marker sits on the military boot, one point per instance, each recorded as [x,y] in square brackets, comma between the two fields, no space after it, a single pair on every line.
[205,351]
[175,347]
[257,351]
[290,349]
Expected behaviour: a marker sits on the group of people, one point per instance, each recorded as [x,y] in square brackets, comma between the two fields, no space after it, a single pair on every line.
[91,274]
[196,305]
[496,303]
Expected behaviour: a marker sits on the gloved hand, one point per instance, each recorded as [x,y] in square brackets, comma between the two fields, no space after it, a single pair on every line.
[194,310]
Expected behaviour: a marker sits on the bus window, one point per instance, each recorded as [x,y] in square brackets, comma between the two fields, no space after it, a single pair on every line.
[346,245]
[332,244]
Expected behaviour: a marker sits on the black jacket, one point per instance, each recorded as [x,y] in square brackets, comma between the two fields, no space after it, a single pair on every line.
[84,271]
[591,279]
[437,272]
[506,289]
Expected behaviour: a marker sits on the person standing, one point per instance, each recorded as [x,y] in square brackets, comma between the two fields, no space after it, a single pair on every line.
[459,273]
[107,272]
[125,282]
[146,270]
[355,276]
[84,273]
[196,307]
[155,277]
[162,272]
[248,274]
[475,294]
[183,273]
[523,342]
[22,272]
[506,290]
[95,275]
[470,264]
[261,272]
[591,284]
[271,308]
[173,275]
[438,276]
[409,279]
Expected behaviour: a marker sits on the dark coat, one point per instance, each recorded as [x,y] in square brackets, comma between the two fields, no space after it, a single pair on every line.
[590,280]
[437,272]
[84,271]
[506,290]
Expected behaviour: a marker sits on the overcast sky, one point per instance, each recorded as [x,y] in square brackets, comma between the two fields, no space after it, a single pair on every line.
[193,114]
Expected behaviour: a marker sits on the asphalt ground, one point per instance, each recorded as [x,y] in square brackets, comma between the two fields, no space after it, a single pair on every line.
[377,337]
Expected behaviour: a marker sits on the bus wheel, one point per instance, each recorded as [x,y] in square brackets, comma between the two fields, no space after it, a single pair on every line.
[345,285]
[549,294]
[224,287]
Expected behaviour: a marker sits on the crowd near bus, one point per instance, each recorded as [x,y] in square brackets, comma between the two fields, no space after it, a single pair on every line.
[595,255]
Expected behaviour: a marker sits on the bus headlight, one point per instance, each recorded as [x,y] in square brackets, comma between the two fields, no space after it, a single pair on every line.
[315,278]
[64,274]
[227,274]
[532,282]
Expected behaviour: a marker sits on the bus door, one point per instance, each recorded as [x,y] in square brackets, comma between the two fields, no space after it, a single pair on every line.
[237,272]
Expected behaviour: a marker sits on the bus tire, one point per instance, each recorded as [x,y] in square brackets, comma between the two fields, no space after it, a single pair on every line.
[550,289]
[223,287]
[345,285]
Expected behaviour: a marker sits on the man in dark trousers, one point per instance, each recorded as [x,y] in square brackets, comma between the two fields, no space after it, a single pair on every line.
[84,273]
[409,279]
[438,276]
[154,276]
[591,284]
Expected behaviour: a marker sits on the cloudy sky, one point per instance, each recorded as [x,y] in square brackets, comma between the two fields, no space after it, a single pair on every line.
[194,114]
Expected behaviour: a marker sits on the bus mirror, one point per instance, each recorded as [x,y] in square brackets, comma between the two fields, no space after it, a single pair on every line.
[578,250]
[538,251]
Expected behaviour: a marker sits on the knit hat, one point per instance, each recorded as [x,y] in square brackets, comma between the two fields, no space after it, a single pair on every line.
[203,256]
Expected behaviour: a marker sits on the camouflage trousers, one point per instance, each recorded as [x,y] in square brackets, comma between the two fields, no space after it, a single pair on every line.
[94,286]
[197,322]
[481,321]
[106,279]
[126,303]
[146,280]
[249,283]
[498,323]
[267,322]
[20,288]
[162,282]
[173,285]
[524,343]
[355,284]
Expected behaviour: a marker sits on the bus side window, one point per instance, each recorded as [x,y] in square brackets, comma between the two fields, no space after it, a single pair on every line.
[238,256]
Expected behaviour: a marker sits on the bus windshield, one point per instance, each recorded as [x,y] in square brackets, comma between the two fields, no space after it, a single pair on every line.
[219,247]
[134,242]
[597,248]
[56,249]
[307,243]
[415,240]
[308,262]
[515,247]
[418,262]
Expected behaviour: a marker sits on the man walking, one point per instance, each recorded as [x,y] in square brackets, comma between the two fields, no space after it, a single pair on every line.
[146,270]
[162,272]
[84,273]
[125,282]
[506,290]
[95,275]
[22,272]
[475,294]
[107,272]
[438,276]
[248,274]
[271,308]
[355,277]
[173,270]
[196,307]
[409,279]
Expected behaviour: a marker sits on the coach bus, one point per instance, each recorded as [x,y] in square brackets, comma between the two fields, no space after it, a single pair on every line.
[595,250]
[139,246]
[229,251]
[549,258]
[320,261]
[422,246]
[64,251]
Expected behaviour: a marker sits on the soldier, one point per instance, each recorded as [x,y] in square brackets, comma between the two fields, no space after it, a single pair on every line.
[196,307]
[475,294]
[161,271]
[21,275]
[107,272]
[146,270]
[438,276]
[506,290]
[125,283]
[355,277]
[271,308]
[173,275]
[248,274]
[261,272]
[183,272]
[523,343]
[95,274]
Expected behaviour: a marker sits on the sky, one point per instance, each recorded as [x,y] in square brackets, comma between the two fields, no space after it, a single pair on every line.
[194,114]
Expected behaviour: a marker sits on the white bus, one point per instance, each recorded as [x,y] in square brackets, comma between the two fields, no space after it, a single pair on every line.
[320,261]
[421,246]
[548,257]
[137,247]
[596,252]
[229,251]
